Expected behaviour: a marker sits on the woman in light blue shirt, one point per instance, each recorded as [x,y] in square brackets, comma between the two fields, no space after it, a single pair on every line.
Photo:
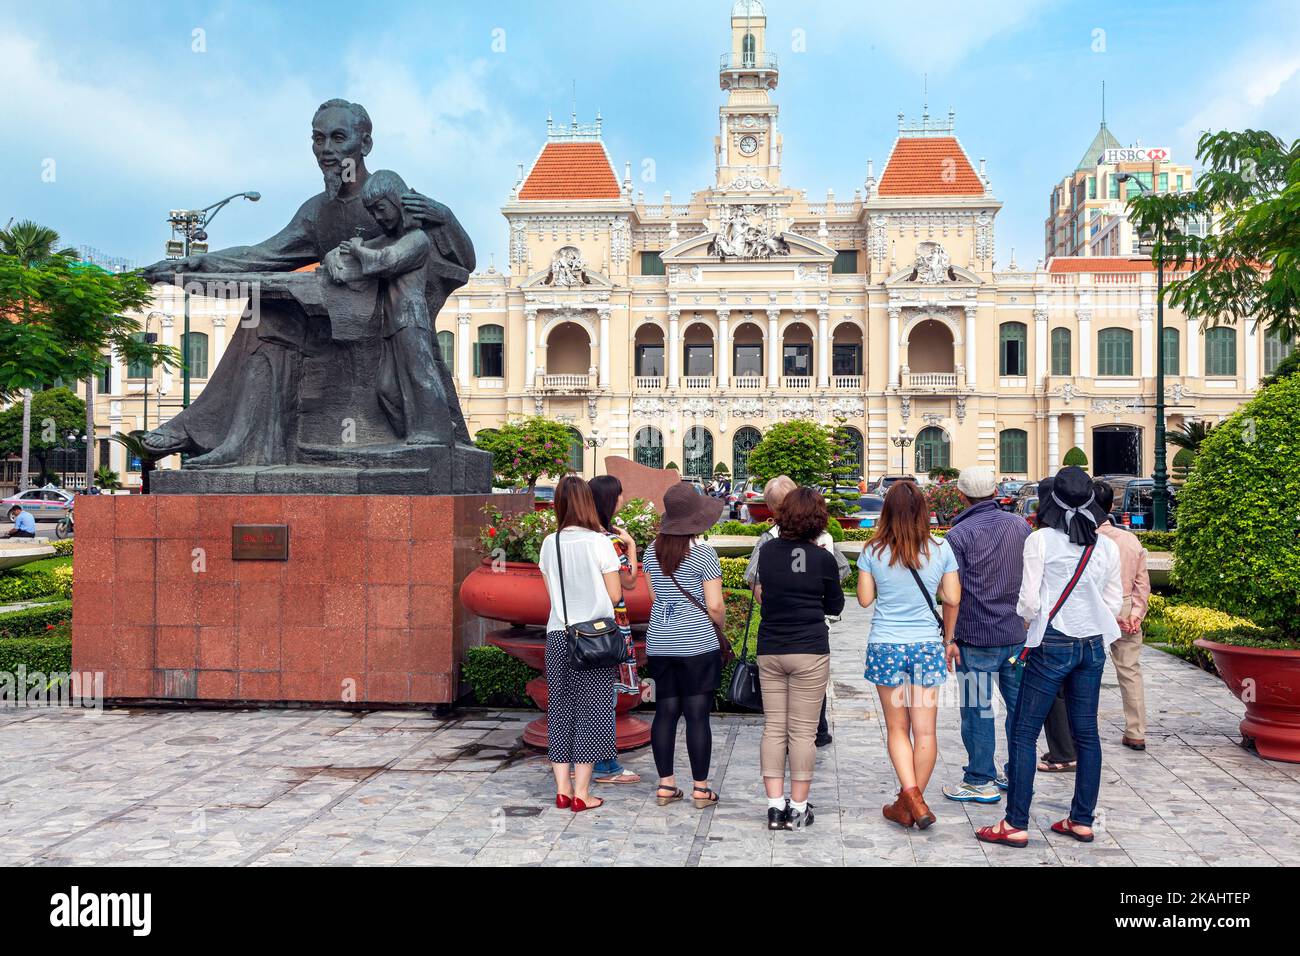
[899,571]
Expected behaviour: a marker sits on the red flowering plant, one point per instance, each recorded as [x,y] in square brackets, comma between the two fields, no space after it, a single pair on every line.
[519,536]
[944,500]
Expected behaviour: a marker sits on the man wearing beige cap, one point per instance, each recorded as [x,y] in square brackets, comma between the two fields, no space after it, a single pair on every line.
[989,545]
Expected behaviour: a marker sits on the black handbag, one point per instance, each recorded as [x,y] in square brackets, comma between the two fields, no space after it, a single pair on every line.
[592,644]
[746,690]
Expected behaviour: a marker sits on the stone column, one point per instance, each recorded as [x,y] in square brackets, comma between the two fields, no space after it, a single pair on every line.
[165,378]
[464,367]
[1193,338]
[218,341]
[723,364]
[773,348]
[1085,343]
[1251,338]
[1053,442]
[116,373]
[894,313]
[674,349]
[1079,434]
[603,379]
[1042,346]
[1146,344]
[823,348]
[530,348]
[971,364]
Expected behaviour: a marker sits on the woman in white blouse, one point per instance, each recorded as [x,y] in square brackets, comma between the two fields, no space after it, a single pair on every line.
[1070,594]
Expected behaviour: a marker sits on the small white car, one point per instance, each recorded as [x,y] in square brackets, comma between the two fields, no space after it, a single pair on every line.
[43,504]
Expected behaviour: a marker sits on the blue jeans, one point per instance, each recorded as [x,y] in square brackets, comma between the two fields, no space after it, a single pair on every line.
[1059,663]
[975,673]
[605,768]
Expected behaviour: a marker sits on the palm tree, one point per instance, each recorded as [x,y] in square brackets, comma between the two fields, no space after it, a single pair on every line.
[1191,436]
[133,442]
[31,244]
[107,479]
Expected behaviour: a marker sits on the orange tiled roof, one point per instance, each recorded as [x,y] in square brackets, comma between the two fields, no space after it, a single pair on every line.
[919,166]
[571,171]
[1099,264]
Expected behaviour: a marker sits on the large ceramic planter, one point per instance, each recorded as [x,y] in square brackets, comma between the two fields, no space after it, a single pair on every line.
[846,522]
[514,592]
[1268,683]
[758,512]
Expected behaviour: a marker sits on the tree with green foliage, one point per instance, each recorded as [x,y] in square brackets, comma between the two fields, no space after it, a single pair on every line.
[842,473]
[1181,466]
[944,474]
[720,470]
[1288,366]
[526,449]
[672,465]
[1189,436]
[107,479]
[1238,542]
[54,413]
[1249,266]
[133,442]
[798,448]
[1075,457]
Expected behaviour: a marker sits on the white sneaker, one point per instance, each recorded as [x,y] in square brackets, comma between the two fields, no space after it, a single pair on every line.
[973,793]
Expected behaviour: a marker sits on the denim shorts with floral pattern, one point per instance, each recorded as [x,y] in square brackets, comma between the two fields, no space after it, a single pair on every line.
[922,664]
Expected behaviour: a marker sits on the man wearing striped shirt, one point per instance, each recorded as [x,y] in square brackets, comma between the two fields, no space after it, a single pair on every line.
[989,545]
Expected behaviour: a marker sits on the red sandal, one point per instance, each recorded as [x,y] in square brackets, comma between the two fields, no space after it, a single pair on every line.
[563,801]
[1066,828]
[992,835]
[579,804]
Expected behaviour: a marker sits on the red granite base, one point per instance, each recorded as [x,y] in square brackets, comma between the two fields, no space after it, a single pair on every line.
[363,612]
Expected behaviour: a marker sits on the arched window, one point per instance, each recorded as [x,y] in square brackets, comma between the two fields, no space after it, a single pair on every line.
[697,452]
[447,349]
[854,442]
[196,354]
[575,451]
[1011,348]
[747,48]
[648,447]
[1114,352]
[742,443]
[1221,351]
[136,369]
[1013,451]
[1061,352]
[932,450]
[1277,346]
[1171,351]
[490,352]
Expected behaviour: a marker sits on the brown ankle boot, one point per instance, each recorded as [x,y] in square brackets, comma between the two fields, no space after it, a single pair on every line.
[916,806]
[898,812]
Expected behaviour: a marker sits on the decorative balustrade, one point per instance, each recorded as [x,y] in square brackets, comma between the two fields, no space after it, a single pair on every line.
[747,383]
[846,381]
[567,381]
[933,379]
[797,382]
[648,383]
[697,383]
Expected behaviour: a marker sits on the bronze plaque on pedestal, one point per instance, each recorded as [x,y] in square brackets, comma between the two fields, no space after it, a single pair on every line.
[259,542]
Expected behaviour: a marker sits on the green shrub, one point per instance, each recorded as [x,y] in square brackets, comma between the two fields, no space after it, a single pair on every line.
[733,573]
[1269,638]
[47,655]
[858,534]
[22,585]
[737,602]
[740,529]
[62,548]
[1238,541]
[1076,457]
[34,621]
[835,529]
[1157,540]
[798,448]
[497,679]
[1185,623]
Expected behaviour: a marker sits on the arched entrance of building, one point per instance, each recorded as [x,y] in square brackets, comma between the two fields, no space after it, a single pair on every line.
[1117,450]
[742,443]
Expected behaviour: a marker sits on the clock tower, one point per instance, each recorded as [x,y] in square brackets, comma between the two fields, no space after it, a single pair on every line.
[748,146]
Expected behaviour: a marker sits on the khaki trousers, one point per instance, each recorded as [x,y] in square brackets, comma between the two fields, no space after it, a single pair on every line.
[1126,654]
[794,686]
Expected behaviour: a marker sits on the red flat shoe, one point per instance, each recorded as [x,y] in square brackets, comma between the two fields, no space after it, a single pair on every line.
[991,835]
[579,804]
[563,801]
[1066,828]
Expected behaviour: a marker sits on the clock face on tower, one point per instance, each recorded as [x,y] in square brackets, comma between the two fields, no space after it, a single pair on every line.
[748,145]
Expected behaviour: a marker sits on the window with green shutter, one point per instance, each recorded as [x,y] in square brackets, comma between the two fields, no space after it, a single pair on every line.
[1011,348]
[490,352]
[104,379]
[1170,348]
[1221,351]
[1276,347]
[1114,352]
[846,262]
[196,354]
[651,264]
[447,349]
[1013,451]
[136,369]
[1061,352]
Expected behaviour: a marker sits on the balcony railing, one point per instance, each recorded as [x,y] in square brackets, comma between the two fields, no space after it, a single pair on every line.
[697,383]
[747,383]
[847,381]
[648,383]
[933,379]
[747,61]
[567,381]
[802,382]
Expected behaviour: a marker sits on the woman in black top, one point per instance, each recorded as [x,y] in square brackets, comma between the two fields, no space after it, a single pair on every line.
[799,585]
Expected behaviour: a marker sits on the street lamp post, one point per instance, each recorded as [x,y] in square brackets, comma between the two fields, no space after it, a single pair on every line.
[596,440]
[191,225]
[150,338]
[901,441]
[1160,477]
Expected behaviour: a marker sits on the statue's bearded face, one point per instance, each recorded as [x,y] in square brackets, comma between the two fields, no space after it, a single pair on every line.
[340,146]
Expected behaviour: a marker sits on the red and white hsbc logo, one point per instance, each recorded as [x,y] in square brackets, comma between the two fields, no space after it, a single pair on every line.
[1136,154]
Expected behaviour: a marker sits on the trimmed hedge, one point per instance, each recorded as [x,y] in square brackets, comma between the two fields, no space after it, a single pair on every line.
[18,585]
[34,621]
[62,548]
[1268,638]
[1157,540]
[497,679]
[740,529]
[48,655]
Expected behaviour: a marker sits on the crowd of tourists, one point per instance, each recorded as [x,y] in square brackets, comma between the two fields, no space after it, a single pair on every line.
[989,604]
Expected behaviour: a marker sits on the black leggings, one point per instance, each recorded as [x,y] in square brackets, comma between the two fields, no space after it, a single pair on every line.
[699,736]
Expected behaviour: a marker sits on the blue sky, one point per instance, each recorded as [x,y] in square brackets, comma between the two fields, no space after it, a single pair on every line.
[115,105]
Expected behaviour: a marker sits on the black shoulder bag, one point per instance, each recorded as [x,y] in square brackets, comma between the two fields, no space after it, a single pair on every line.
[746,690]
[938,619]
[592,644]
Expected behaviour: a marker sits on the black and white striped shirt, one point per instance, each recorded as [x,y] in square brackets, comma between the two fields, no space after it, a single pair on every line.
[677,627]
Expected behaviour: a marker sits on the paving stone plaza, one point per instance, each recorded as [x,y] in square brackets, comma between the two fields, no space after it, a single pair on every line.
[291,787]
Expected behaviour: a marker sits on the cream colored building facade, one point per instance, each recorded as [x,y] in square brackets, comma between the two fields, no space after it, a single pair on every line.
[681,331]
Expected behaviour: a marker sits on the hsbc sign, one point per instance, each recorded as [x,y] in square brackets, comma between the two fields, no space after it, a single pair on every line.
[1135,154]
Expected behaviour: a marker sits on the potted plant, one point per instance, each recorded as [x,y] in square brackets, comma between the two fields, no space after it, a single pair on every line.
[508,586]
